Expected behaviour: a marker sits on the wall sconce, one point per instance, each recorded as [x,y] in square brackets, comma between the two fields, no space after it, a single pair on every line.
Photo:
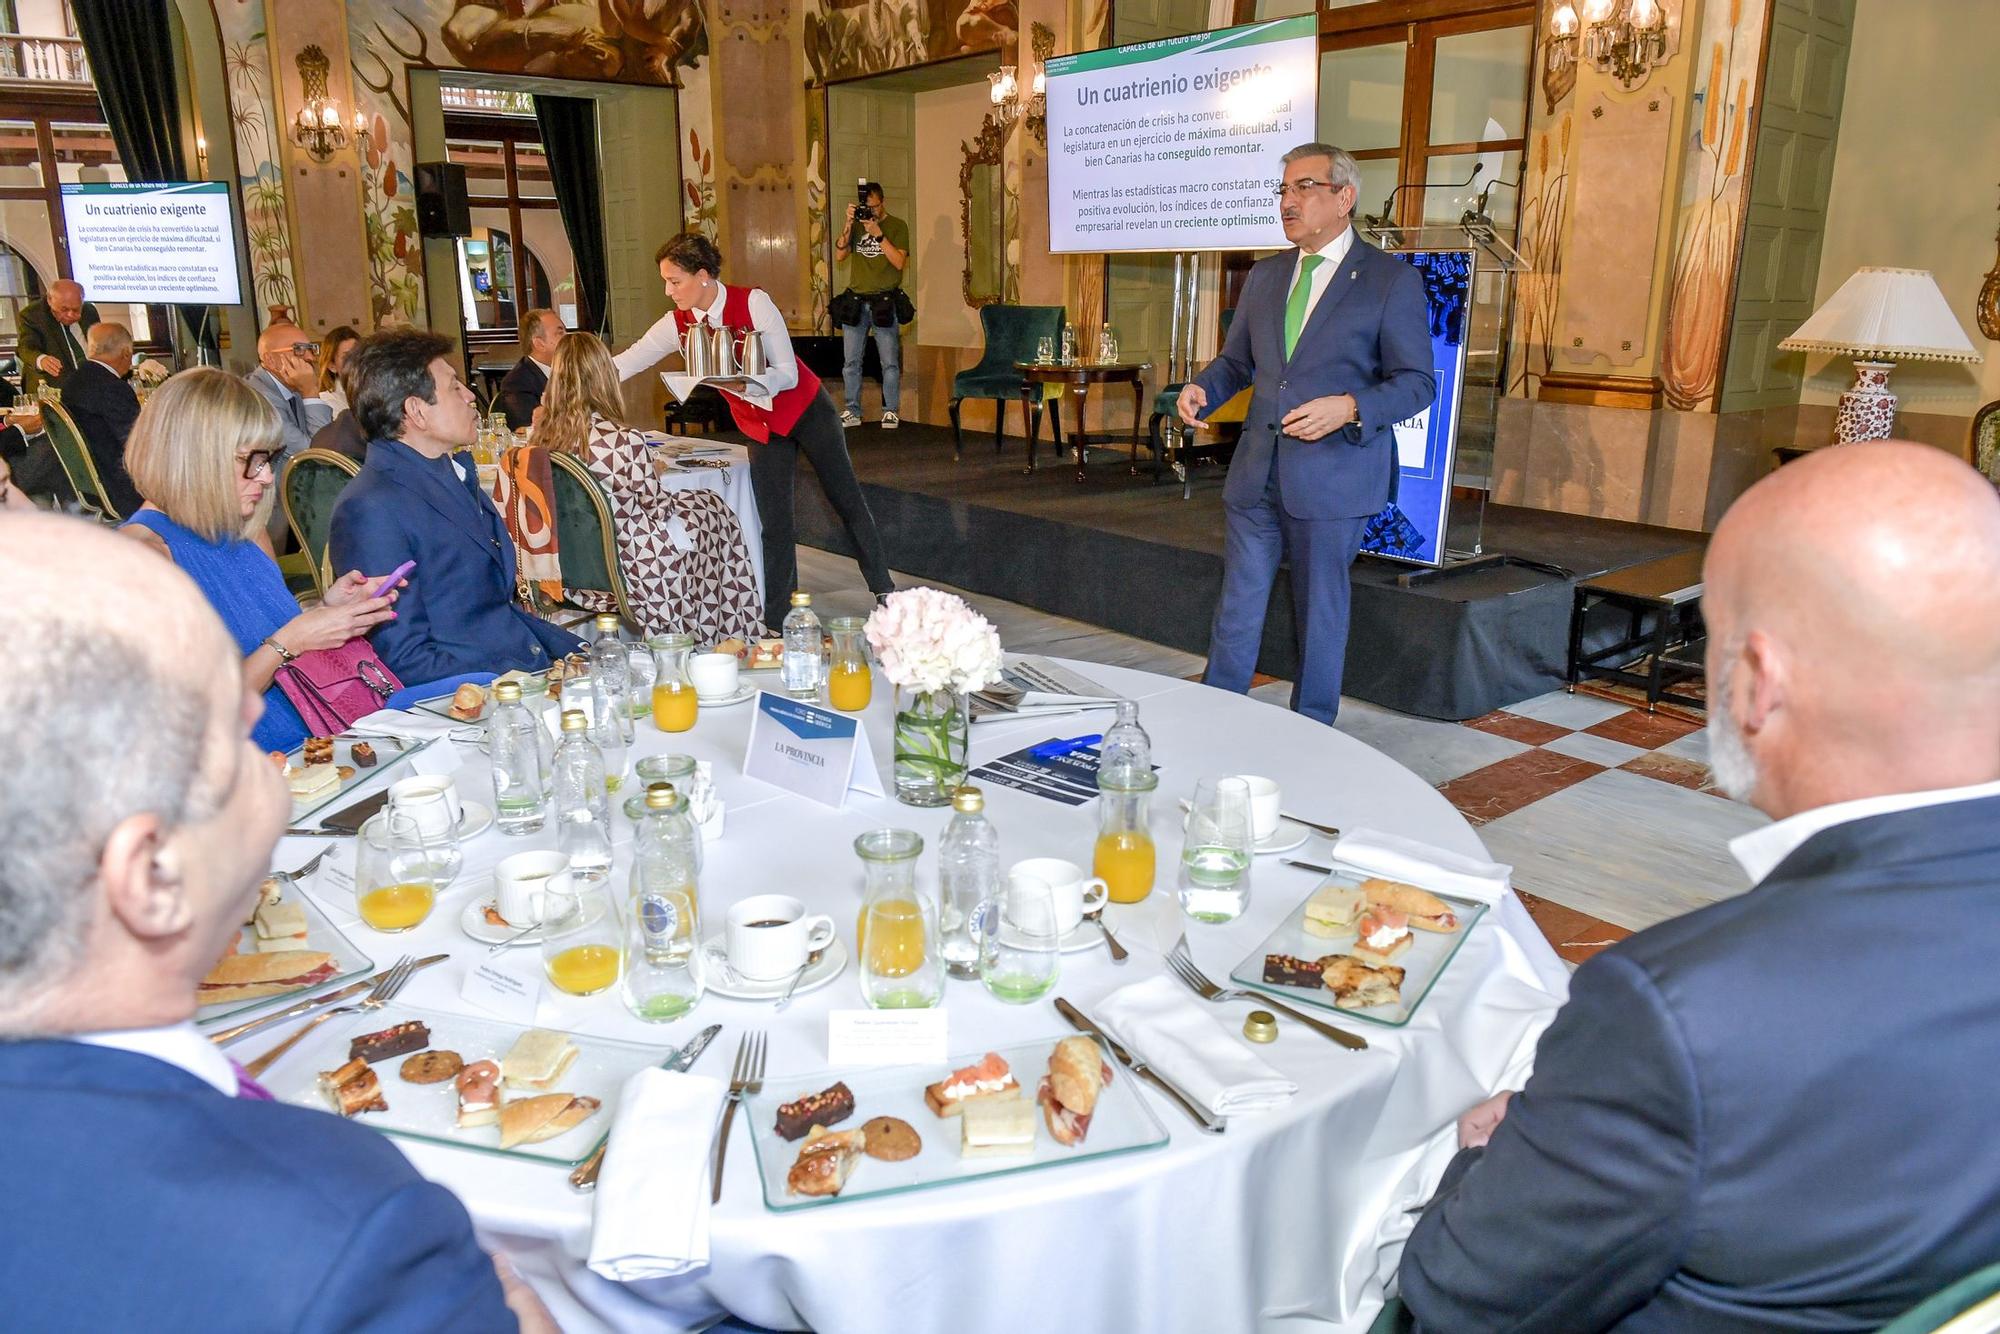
[1005,89]
[1626,39]
[318,128]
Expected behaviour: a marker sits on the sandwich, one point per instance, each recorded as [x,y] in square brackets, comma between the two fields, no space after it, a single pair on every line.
[244,977]
[997,1128]
[1068,1094]
[478,1087]
[1357,986]
[826,1160]
[311,780]
[466,702]
[1426,911]
[532,1120]
[353,1089]
[537,1060]
[1382,936]
[279,926]
[1332,909]
[990,1078]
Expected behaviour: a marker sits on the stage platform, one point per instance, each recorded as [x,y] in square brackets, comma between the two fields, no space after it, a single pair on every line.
[1123,553]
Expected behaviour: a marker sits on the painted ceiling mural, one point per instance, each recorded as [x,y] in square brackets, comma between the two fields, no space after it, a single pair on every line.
[255,127]
[847,38]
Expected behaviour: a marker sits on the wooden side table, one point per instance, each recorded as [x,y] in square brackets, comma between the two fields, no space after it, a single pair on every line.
[1669,591]
[1076,380]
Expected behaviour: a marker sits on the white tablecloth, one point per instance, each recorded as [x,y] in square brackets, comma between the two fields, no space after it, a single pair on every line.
[733,485]
[1289,1220]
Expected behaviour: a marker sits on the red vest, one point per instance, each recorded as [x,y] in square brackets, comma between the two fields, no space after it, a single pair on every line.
[759,423]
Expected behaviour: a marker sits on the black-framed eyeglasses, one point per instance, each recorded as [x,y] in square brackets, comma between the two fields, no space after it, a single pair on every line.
[256,461]
[1301,187]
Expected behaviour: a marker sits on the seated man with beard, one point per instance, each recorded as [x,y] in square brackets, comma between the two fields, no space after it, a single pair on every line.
[1776,1112]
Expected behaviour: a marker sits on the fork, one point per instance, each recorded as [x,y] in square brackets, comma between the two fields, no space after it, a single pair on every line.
[308,868]
[1182,964]
[384,991]
[747,1076]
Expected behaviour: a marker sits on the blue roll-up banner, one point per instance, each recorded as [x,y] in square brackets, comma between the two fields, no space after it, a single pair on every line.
[1412,527]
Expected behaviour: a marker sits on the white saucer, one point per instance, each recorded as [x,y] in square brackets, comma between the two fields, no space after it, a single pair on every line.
[1083,936]
[743,692]
[722,982]
[1284,838]
[473,819]
[472,921]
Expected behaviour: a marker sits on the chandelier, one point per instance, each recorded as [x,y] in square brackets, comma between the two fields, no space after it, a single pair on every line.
[318,128]
[1626,39]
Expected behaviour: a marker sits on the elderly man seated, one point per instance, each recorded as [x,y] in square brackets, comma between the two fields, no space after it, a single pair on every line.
[1777,1112]
[152,1184]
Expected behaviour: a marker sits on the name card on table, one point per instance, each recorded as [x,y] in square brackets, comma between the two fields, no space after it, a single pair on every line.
[810,750]
[886,1037]
[507,983]
[332,885]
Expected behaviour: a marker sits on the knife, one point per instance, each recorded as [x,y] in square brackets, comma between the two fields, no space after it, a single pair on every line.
[1326,829]
[1307,866]
[585,1176]
[314,1002]
[1138,1067]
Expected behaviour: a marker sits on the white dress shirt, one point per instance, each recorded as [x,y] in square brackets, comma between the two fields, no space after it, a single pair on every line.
[1332,253]
[549,372]
[664,339]
[179,1045]
[1759,851]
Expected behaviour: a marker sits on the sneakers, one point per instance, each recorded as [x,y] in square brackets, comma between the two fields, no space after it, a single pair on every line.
[849,417]
[890,421]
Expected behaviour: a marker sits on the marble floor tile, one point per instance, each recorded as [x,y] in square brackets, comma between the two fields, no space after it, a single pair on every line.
[1501,789]
[1625,848]
[1649,731]
[1675,769]
[1566,710]
[1596,749]
[1436,752]
[1575,935]
[1693,746]
[1514,727]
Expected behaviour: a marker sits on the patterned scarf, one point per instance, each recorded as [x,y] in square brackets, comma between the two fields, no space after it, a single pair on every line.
[524,489]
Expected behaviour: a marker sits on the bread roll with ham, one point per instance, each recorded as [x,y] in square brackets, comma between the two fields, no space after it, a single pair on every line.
[1068,1093]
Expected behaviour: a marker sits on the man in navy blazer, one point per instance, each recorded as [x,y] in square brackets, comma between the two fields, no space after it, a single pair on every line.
[1777,1112]
[1333,339]
[418,498]
[150,1184]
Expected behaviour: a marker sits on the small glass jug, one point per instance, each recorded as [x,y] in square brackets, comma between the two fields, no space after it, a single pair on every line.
[850,681]
[582,934]
[896,938]
[1124,857]
[674,705]
[394,887]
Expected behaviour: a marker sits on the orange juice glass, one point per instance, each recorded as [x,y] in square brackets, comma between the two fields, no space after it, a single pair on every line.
[850,682]
[674,704]
[394,888]
[1124,856]
[396,907]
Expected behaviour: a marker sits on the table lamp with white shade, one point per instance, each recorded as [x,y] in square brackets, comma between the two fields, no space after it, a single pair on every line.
[1881,317]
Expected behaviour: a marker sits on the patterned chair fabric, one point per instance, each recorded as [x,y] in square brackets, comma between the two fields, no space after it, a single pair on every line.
[1986,441]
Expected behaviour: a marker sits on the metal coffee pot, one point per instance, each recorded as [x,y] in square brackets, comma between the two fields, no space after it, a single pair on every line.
[753,359]
[698,350]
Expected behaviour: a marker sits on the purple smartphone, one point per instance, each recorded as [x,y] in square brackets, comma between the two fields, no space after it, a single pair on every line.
[391,579]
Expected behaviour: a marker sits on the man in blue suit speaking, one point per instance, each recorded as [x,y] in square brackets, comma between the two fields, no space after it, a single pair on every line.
[150,1184]
[1333,339]
[418,498]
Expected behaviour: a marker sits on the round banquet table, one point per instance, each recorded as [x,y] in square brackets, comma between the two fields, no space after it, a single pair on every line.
[1289,1220]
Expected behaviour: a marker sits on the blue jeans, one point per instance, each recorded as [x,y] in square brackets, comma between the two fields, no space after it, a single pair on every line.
[889,345]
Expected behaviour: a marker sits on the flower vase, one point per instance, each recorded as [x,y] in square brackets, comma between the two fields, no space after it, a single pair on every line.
[932,734]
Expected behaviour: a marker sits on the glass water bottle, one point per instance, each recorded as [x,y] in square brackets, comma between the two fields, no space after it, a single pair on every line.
[611,674]
[582,802]
[968,875]
[805,649]
[520,774]
[663,979]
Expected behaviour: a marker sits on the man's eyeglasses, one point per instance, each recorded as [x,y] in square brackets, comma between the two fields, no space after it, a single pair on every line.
[1301,188]
[256,461]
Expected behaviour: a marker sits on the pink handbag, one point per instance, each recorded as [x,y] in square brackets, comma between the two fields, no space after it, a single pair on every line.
[333,687]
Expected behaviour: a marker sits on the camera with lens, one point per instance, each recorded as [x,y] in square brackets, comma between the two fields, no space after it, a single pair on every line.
[862,212]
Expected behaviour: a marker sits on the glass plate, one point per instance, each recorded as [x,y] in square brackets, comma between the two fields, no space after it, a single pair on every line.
[321,934]
[1427,959]
[1122,1123]
[389,753]
[429,1112]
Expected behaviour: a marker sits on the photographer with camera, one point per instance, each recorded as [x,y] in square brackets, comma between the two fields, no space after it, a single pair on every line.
[876,248]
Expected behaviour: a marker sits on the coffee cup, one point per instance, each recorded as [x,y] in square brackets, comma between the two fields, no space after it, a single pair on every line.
[429,799]
[1264,801]
[769,936]
[1073,891]
[521,883]
[713,674]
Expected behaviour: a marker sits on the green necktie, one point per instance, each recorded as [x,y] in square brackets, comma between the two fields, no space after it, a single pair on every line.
[1295,304]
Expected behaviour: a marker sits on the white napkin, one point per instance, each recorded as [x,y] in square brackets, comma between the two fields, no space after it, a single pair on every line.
[651,1218]
[402,723]
[1397,858]
[1191,1050]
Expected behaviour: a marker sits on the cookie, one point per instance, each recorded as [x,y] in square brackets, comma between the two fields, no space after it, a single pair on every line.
[346,771]
[431,1067]
[891,1140]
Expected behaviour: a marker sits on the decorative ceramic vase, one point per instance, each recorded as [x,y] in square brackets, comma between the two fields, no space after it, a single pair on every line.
[933,731]
[1868,409]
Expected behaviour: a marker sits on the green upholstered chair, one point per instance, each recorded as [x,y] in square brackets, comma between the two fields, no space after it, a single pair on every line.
[1011,335]
[314,479]
[77,464]
[1969,1306]
[1166,406]
[1986,441]
[588,543]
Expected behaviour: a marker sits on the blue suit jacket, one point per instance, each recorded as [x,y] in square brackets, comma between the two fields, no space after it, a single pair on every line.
[458,612]
[140,1198]
[1369,336]
[1774,1113]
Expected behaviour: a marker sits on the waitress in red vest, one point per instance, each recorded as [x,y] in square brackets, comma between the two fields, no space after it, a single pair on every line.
[784,413]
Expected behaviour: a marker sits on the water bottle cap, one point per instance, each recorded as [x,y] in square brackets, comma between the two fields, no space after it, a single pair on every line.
[801,599]
[575,720]
[968,799]
[607,620]
[661,797]
[508,692]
